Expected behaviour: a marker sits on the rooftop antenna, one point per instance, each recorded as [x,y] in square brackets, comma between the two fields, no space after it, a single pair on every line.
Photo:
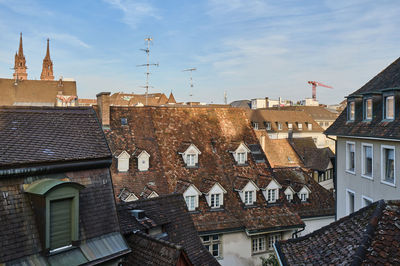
[147,51]
[191,80]
[225,98]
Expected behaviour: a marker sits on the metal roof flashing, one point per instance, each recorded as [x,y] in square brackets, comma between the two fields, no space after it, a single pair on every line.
[43,186]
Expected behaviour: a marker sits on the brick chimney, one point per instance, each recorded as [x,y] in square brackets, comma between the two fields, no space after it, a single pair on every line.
[103,102]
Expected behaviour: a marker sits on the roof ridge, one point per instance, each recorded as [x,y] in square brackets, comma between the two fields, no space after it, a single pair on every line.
[161,241]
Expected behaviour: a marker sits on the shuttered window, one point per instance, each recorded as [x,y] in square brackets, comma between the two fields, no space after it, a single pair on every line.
[60,223]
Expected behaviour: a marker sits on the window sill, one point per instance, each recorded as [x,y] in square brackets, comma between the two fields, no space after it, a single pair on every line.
[368,177]
[350,172]
[216,209]
[61,249]
[262,252]
[388,183]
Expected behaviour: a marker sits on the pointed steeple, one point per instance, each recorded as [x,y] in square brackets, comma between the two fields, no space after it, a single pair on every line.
[20,62]
[171,99]
[47,69]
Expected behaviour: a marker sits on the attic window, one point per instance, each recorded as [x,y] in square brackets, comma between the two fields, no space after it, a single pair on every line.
[389,107]
[290,125]
[191,159]
[248,197]
[124,121]
[303,196]
[123,161]
[300,126]
[191,156]
[255,125]
[289,194]
[309,126]
[289,197]
[279,126]
[240,154]
[143,161]
[272,195]
[351,111]
[191,196]
[304,193]
[215,200]
[268,126]
[368,109]
[215,196]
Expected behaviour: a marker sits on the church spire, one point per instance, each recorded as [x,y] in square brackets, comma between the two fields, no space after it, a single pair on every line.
[20,62]
[47,70]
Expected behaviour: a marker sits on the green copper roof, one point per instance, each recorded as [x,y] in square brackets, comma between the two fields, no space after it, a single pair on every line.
[42,186]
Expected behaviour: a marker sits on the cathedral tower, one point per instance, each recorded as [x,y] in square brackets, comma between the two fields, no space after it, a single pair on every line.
[20,63]
[47,70]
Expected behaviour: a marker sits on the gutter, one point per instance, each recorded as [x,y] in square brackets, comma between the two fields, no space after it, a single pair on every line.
[55,168]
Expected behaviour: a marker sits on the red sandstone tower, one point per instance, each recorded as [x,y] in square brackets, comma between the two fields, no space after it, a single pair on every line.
[47,70]
[20,63]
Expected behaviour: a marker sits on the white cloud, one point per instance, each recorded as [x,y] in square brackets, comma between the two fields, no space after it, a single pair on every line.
[68,38]
[134,11]
[26,7]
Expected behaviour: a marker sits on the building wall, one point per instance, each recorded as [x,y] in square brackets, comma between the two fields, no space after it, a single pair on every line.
[313,224]
[237,249]
[361,186]
[322,140]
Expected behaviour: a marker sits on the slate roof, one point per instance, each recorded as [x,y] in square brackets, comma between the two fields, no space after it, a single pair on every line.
[313,158]
[263,116]
[169,211]
[162,133]
[37,135]
[241,104]
[34,92]
[370,236]
[389,78]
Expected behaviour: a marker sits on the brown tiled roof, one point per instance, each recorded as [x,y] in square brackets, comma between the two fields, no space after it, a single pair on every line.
[280,153]
[131,99]
[387,79]
[36,135]
[34,92]
[162,132]
[241,104]
[370,236]
[169,211]
[316,112]
[87,102]
[147,250]
[263,116]
[171,98]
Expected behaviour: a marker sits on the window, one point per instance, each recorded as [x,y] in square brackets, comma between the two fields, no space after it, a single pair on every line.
[351,111]
[213,244]
[190,202]
[289,197]
[321,124]
[272,195]
[350,157]
[123,162]
[300,126]
[387,164]
[389,107]
[268,126]
[215,203]
[367,159]
[60,223]
[124,121]
[248,197]
[191,159]
[309,126]
[367,109]
[272,239]
[290,125]
[326,124]
[350,201]
[366,201]
[303,197]
[255,125]
[279,126]
[241,158]
[258,244]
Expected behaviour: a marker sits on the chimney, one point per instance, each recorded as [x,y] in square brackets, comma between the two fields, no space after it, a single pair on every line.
[103,102]
[266,102]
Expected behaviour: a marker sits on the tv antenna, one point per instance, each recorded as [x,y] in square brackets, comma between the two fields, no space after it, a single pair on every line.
[148,64]
[191,79]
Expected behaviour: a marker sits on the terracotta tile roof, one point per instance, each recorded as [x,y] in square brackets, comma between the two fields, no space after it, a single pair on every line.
[264,116]
[131,99]
[170,211]
[162,133]
[36,135]
[387,79]
[316,112]
[280,153]
[370,236]
[241,104]
[87,102]
[35,92]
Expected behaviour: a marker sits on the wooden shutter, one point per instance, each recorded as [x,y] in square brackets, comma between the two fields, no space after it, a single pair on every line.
[60,223]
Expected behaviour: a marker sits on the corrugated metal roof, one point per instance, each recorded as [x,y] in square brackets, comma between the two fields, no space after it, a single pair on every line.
[103,246]
[68,258]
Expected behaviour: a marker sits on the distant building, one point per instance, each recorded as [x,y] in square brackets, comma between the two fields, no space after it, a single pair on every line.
[260,103]
[368,146]
[45,92]
[309,102]
[370,236]
[57,204]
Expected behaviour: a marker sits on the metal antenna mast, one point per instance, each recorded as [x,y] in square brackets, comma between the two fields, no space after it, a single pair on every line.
[147,51]
[191,79]
[225,97]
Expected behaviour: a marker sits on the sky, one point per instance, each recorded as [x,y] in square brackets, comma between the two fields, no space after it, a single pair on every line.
[246,48]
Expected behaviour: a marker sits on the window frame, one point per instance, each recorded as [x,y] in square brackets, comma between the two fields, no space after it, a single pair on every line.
[241,158]
[363,174]
[269,195]
[189,161]
[255,244]
[190,197]
[275,237]
[209,244]
[247,199]
[309,126]
[348,170]
[351,111]
[348,192]
[300,126]
[385,107]
[279,126]
[383,165]
[268,126]
[365,198]
[290,126]
[365,109]
[214,198]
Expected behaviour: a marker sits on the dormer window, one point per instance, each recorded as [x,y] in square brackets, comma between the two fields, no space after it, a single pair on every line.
[215,197]
[268,126]
[304,194]
[289,192]
[191,196]
[123,161]
[255,125]
[351,112]
[191,155]
[389,107]
[290,125]
[309,125]
[368,109]
[300,126]
[248,197]
[143,161]
[271,192]
[279,126]
[240,154]
[248,193]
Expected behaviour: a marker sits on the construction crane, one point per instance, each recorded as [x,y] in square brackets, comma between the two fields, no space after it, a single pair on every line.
[314,85]
[191,79]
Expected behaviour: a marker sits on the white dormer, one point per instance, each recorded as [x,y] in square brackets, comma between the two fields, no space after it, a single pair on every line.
[240,154]
[304,193]
[289,192]
[191,156]
[271,192]
[131,197]
[248,194]
[153,194]
[123,161]
[143,161]
[191,196]
[215,197]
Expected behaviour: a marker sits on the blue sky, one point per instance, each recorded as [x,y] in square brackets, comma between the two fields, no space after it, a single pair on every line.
[248,48]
